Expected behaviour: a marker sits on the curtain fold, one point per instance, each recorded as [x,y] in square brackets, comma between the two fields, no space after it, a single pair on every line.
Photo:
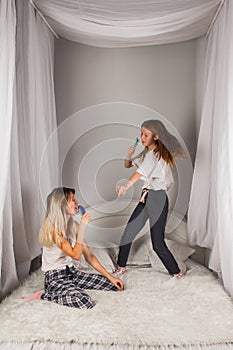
[109,23]
[7,79]
[210,217]
[28,117]
[35,111]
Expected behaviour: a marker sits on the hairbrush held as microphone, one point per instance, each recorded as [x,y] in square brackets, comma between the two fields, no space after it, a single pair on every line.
[81,210]
[136,141]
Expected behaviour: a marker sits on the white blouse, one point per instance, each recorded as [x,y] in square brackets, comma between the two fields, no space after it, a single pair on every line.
[156,174]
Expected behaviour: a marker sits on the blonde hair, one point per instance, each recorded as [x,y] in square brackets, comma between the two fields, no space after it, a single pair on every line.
[167,145]
[53,229]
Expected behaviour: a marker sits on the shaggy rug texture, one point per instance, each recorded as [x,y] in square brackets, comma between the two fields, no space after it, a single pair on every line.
[154,310]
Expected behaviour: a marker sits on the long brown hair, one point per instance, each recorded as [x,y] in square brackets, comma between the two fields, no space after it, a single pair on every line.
[167,145]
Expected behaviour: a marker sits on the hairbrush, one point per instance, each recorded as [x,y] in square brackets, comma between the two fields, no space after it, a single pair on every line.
[81,210]
[136,141]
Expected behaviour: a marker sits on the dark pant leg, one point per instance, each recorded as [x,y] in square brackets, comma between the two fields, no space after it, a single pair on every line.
[157,204]
[133,227]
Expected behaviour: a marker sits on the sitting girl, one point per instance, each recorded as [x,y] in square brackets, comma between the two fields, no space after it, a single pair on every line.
[63,283]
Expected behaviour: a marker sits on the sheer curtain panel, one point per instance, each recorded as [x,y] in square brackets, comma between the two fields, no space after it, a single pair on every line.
[7,78]
[210,218]
[27,110]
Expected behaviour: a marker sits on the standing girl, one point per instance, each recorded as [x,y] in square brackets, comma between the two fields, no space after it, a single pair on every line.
[154,168]
[63,240]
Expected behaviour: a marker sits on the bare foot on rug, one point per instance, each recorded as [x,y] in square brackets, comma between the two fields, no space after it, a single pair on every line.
[35,296]
[179,275]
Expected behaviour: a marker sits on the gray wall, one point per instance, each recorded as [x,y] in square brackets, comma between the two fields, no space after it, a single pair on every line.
[160,77]
[163,78]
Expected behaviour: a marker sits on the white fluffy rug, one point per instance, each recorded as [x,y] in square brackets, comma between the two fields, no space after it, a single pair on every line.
[154,310]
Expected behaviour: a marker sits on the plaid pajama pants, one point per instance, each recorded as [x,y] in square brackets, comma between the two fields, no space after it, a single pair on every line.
[66,287]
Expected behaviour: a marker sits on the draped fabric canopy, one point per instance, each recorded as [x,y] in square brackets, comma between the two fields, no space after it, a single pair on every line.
[27,99]
[110,23]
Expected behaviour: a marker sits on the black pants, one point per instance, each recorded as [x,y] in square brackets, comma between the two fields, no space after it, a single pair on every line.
[155,209]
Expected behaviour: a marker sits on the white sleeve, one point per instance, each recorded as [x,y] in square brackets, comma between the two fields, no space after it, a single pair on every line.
[136,162]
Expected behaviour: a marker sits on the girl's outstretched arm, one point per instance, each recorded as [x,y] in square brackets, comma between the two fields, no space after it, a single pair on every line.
[94,262]
[132,180]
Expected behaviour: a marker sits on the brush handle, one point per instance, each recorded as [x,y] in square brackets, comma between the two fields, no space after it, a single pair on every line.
[81,210]
[136,141]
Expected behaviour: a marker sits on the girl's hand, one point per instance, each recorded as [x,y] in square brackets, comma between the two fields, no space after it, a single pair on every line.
[121,190]
[117,283]
[86,218]
[130,152]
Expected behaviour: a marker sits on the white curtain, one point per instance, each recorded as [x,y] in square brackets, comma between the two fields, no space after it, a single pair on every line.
[7,77]
[111,23]
[27,110]
[210,218]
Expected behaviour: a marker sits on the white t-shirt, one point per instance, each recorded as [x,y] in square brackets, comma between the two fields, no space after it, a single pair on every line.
[156,174]
[54,258]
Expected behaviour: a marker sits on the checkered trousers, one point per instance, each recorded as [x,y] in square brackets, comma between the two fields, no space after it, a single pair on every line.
[66,287]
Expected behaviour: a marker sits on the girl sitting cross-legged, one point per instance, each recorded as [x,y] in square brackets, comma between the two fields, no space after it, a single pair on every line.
[63,282]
